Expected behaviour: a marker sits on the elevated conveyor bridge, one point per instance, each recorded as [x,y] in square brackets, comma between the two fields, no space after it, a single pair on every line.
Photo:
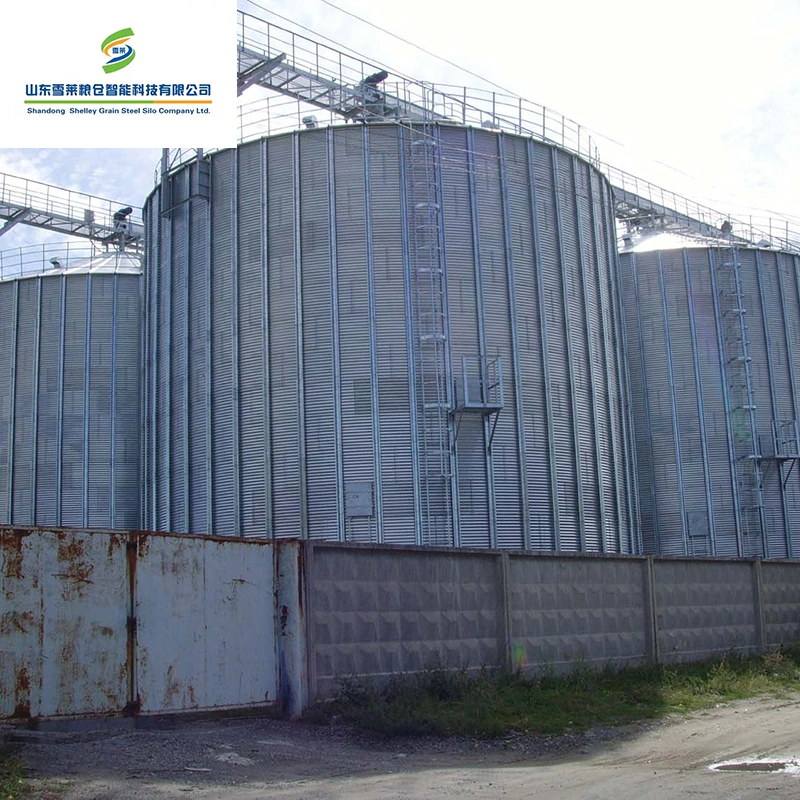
[304,75]
[106,223]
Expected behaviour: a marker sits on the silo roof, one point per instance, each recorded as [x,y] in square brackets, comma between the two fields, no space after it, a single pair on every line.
[120,263]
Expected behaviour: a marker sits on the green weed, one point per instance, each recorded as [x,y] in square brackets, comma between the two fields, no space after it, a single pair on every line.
[13,785]
[492,703]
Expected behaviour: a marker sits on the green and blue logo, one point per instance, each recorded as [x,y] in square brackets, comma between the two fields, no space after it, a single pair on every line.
[121,54]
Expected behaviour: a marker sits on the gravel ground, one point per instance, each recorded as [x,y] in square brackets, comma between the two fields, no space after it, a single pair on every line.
[245,759]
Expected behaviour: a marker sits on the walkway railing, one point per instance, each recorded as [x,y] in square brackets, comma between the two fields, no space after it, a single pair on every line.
[290,110]
[65,204]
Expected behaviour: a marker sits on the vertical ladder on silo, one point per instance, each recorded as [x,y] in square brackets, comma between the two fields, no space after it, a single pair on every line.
[430,336]
[740,402]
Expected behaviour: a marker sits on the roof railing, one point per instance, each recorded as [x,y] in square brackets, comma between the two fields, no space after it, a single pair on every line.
[20,262]
[290,110]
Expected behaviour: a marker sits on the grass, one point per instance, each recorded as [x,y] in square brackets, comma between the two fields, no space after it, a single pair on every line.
[494,703]
[13,785]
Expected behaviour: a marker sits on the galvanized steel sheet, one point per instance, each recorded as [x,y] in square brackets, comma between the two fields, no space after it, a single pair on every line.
[310,365]
[681,379]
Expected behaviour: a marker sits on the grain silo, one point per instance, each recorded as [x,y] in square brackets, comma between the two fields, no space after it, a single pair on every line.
[387,332]
[713,338]
[69,393]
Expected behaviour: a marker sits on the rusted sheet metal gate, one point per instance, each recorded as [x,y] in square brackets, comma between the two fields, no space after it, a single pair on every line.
[138,623]
[63,623]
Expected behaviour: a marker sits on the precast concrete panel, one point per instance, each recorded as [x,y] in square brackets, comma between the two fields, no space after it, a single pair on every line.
[780,591]
[716,460]
[704,609]
[568,610]
[69,398]
[311,317]
[382,612]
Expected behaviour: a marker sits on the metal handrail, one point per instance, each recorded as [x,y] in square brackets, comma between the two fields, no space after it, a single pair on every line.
[765,231]
[465,106]
[35,259]
[62,203]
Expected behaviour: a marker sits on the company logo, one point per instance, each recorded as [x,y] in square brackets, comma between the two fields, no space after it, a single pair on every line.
[120,53]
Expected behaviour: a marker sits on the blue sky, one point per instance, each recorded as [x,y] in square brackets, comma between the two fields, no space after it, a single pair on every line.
[711,88]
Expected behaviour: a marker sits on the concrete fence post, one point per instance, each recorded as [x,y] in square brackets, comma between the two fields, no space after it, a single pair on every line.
[506,651]
[650,611]
[758,602]
[292,626]
[307,575]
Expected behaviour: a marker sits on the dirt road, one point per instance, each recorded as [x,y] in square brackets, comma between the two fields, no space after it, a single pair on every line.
[249,759]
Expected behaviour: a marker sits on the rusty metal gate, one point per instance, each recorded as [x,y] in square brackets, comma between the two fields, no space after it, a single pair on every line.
[103,623]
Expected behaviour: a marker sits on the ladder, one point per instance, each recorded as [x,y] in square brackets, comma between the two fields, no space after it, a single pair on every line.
[740,403]
[430,328]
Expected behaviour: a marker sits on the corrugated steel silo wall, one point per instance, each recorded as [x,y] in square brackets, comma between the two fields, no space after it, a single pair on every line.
[299,415]
[69,400]
[678,384]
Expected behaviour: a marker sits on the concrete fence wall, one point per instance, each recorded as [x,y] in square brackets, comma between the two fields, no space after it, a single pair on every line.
[95,622]
[374,611]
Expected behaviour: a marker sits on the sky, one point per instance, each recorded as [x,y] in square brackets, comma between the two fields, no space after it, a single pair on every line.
[710,88]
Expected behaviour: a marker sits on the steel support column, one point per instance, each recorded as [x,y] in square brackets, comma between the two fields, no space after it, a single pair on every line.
[701,411]
[373,337]
[790,355]
[336,357]
[266,360]
[86,378]
[236,433]
[646,400]
[588,329]
[605,335]
[412,370]
[570,355]
[673,404]
[298,306]
[35,403]
[515,359]
[548,394]
[476,250]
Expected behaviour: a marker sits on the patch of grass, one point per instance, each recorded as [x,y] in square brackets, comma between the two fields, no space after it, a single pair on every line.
[492,703]
[13,785]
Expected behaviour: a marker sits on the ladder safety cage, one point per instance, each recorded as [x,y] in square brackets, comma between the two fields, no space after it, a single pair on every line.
[430,334]
[740,404]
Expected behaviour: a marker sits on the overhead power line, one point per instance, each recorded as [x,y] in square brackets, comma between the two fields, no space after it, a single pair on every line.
[417,47]
[420,48]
